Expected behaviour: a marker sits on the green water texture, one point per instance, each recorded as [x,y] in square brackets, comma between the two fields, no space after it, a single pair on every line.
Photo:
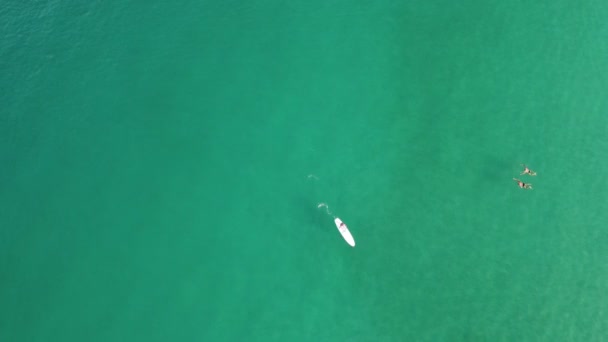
[155,160]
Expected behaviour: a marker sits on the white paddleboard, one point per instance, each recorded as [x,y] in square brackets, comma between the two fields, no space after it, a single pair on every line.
[345,232]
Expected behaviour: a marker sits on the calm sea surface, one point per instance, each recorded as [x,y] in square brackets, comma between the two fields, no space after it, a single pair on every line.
[161,164]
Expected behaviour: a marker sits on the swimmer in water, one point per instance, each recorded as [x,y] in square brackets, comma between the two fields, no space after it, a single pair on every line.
[522,184]
[527,171]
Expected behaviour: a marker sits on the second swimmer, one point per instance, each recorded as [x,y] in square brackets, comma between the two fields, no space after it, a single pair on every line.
[523,185]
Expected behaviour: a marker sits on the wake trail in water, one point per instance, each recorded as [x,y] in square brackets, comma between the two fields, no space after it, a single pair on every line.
[323,205]
[313,177]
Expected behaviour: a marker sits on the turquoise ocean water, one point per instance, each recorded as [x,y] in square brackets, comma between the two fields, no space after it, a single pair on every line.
[154,163]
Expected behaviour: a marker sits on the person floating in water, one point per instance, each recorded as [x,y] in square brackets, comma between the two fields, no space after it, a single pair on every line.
[522,184]
[527,171]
